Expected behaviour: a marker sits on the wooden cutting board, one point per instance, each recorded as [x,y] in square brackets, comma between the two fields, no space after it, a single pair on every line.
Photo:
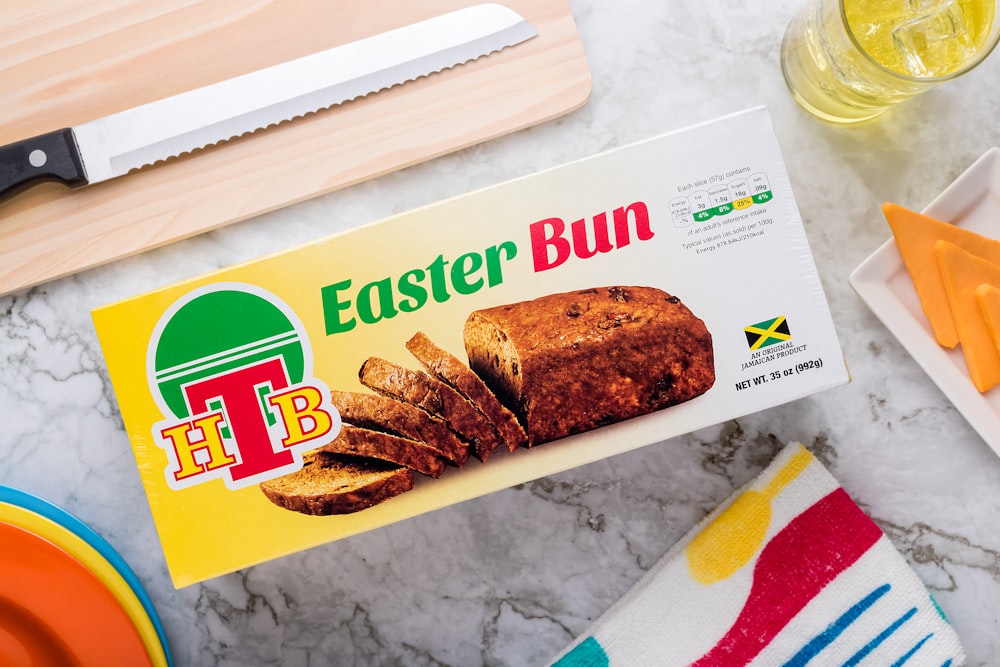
[64,62]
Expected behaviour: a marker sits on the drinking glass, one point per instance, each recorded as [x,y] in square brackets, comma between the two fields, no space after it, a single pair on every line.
[850,60]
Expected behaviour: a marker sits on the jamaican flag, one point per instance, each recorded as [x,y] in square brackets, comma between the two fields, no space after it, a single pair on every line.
[767,333]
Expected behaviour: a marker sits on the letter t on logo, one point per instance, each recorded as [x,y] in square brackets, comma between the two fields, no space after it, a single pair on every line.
[244,413]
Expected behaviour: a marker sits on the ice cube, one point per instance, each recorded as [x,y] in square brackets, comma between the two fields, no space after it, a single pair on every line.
[935,40]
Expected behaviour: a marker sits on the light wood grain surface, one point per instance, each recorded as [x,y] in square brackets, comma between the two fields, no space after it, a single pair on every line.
[64,63]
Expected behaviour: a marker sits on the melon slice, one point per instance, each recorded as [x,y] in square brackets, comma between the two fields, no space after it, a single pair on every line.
[963,273]
[915,236]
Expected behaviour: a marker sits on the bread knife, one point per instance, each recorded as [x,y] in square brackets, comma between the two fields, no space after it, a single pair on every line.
[116,144]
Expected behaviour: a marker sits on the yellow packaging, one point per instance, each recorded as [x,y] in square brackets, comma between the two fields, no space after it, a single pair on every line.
[224,381]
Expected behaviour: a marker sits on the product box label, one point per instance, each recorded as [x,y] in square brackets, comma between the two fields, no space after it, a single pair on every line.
[469,346]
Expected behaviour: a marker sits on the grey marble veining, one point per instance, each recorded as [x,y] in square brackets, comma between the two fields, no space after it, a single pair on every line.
[511,578]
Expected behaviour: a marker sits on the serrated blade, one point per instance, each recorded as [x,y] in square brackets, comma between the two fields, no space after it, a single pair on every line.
[116,144]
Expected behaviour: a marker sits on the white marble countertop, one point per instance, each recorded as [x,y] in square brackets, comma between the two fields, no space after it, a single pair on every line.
[480,583]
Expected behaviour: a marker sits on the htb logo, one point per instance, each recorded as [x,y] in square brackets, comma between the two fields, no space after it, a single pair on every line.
[231,365]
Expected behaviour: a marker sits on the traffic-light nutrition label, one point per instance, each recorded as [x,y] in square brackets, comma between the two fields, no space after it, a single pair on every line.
[720,210]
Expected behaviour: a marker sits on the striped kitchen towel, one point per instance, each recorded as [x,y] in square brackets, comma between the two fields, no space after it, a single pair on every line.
[788,571]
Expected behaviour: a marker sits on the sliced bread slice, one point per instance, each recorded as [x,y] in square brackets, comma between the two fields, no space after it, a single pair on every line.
[335,484]
[358,441]
[383,413]
[436,397]
[450,369]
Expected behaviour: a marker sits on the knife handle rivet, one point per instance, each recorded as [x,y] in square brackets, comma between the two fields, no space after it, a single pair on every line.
[37,158]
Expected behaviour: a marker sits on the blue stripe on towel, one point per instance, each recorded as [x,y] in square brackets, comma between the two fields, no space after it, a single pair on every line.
[587,653]
[882,636]
[909,654]
[827,637]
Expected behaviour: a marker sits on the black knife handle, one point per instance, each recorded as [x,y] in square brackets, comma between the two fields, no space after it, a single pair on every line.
[47,157]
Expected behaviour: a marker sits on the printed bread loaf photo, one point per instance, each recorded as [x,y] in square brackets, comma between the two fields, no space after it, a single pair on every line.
[574,361]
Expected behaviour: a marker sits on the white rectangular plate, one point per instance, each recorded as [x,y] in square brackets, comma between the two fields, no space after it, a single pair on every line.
[972,201]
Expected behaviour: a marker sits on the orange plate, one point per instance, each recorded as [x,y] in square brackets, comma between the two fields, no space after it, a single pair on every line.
[54,611]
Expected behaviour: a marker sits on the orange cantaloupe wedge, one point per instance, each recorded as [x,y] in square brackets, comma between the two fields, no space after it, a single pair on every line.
[963,273]
[989,302]
[915,236]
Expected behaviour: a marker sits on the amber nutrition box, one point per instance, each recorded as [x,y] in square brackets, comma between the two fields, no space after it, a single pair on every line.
[471,345]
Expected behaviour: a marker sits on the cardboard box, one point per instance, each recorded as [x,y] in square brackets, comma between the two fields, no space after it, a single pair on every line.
[223,381]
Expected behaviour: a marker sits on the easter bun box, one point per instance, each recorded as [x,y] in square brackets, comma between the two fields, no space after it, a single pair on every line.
[469,346]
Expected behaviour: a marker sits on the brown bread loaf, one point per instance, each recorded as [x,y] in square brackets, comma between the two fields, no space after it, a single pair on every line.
[382,413]
[364,442]
[430,394]
[335,484]
[450,369]
[571,362]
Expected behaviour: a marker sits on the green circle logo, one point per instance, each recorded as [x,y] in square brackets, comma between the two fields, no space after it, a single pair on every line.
[214,331]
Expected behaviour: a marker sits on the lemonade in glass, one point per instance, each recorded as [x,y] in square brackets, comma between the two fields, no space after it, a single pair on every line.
[850,60]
